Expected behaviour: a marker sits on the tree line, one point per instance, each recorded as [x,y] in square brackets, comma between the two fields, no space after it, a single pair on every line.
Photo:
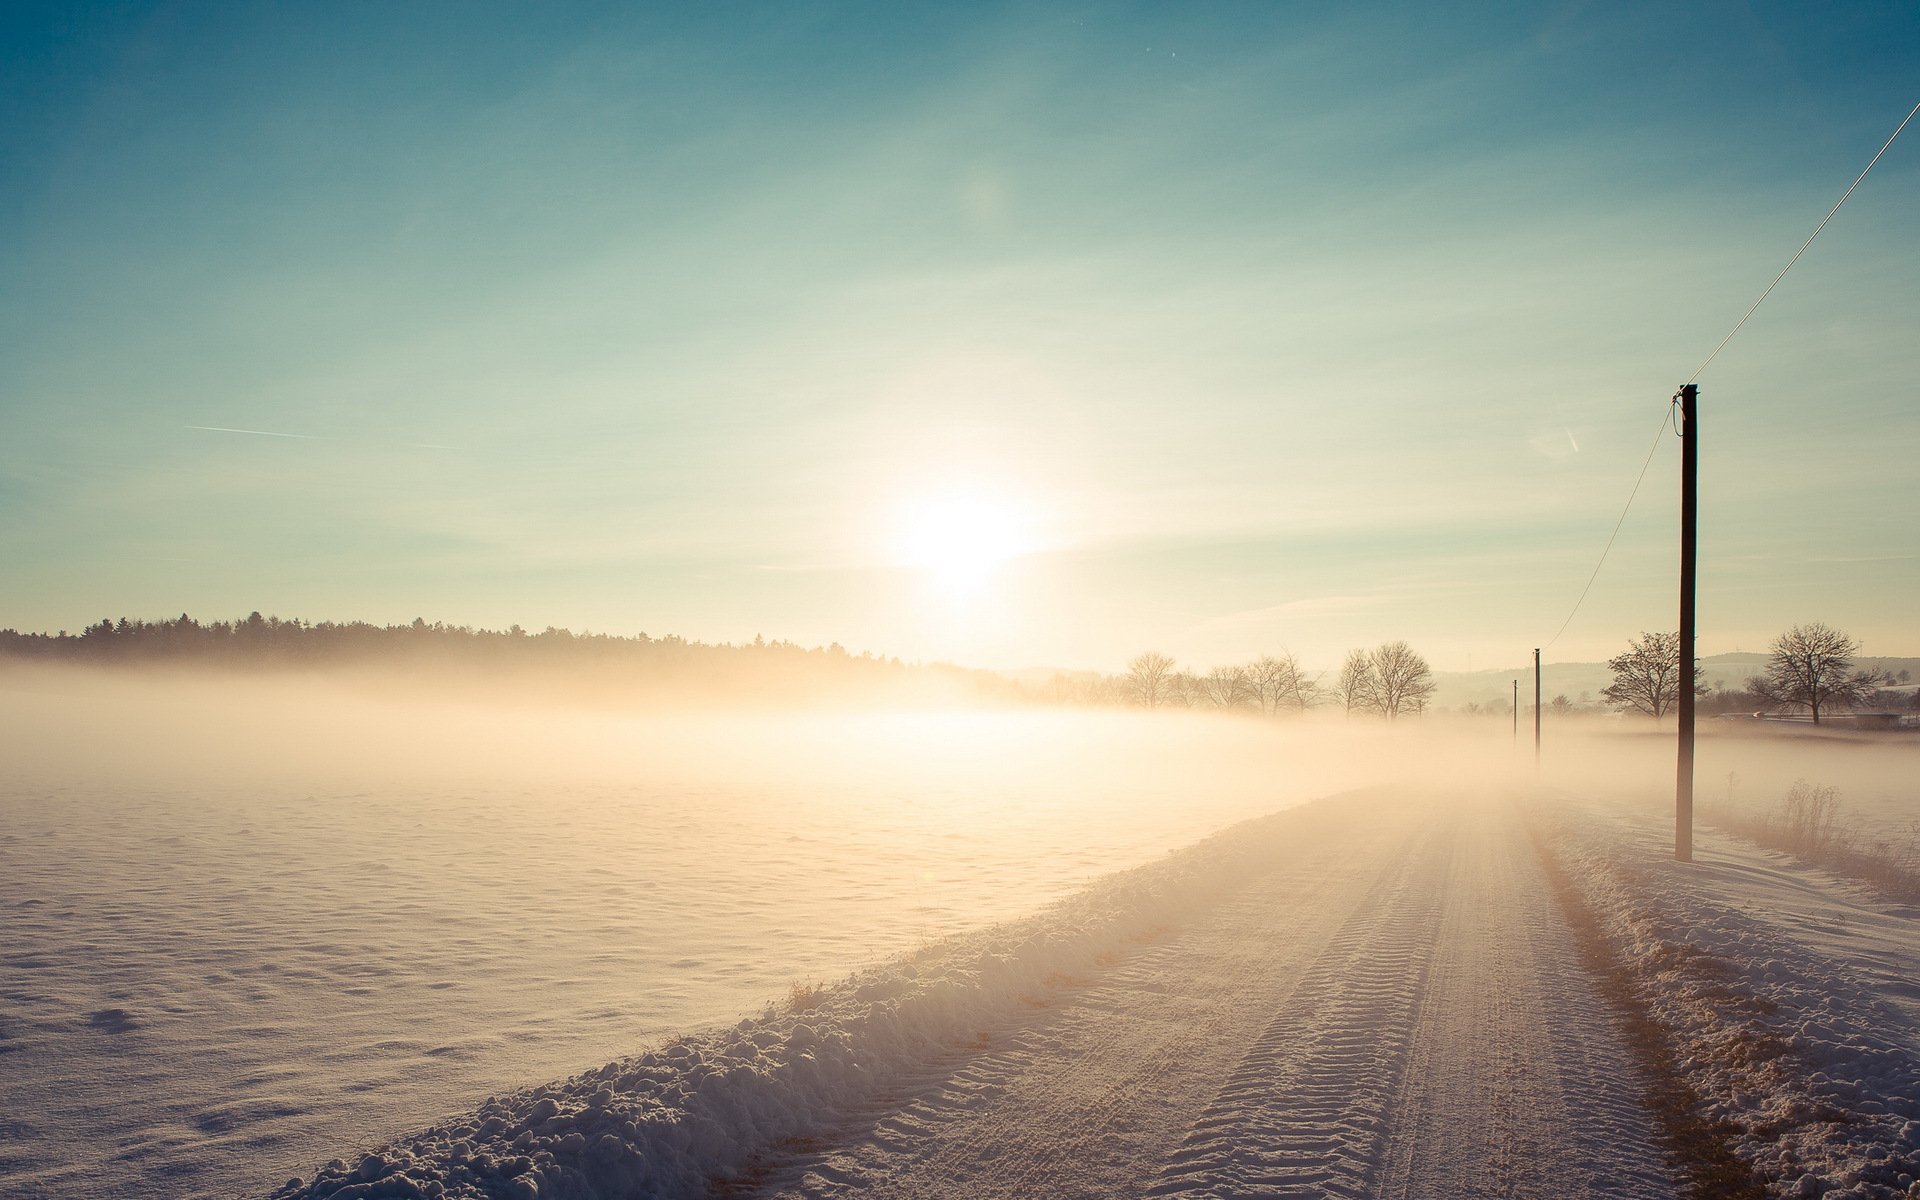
[593,661]
[1390,680]
[1809,667]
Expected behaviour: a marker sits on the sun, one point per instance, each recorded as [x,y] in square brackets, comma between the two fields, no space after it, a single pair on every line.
[961,539]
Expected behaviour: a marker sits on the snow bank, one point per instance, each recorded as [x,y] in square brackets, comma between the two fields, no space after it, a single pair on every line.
[1787,1042]
[670,1121]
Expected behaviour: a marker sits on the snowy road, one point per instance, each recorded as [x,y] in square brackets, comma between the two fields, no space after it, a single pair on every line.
[1393,1007]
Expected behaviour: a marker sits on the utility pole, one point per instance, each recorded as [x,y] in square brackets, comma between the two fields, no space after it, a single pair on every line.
[1536,708]
[1689,529]
[1516,712]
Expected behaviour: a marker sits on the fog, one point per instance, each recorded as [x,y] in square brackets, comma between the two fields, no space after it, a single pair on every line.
[1745,768]
[282,916]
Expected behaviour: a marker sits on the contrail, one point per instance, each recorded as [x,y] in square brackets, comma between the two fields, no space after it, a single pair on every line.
[309,437]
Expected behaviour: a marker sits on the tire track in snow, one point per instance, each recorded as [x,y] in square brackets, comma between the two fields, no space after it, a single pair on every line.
[1518,1083]
[1397,1009]
[1305,1113]
[1084,1099]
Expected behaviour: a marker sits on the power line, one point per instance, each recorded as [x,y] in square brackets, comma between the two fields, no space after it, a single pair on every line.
[1608,548]
[1697,371]
[1695,377]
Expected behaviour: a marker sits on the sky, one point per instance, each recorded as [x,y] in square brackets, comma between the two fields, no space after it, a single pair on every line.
[1012,335]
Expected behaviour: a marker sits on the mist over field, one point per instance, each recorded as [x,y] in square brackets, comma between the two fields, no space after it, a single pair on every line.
[248,918]
[251,916]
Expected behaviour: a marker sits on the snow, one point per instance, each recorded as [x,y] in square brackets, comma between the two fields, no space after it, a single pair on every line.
[244,932]
[667,1121]
[250,932]
[1790,994]
[1751,769]
[1366,996]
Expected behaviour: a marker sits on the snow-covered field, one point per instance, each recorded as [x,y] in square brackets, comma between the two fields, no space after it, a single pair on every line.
[246,932]
[1875,775]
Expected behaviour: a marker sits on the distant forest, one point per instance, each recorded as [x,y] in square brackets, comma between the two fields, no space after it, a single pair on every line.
[555,660]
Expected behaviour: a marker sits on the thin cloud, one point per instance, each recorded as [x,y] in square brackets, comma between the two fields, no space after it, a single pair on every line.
[307,437]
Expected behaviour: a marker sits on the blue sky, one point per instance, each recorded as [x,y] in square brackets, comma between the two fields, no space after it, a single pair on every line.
[1276,325]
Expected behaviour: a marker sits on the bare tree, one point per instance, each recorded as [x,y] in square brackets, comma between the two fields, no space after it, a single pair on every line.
[1647,677]
[1150,680]
[1183,690]
[1279,684]
[1225,687]
[1065,688]
[1811,668]
[1108,690]
[1403,680]
[1358,688]
[1391,679]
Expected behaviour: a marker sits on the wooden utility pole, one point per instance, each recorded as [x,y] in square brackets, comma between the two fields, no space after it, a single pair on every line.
[1516,712]
[1536,708]
[1689,527]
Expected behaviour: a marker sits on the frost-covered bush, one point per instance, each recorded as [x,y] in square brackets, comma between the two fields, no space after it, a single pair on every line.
[1807,821]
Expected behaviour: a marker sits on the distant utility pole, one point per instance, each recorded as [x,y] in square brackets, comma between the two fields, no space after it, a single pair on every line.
[1516,712]
[1689,528]
[1536,707]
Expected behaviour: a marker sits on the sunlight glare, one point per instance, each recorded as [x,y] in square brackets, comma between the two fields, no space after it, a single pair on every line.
[960,540]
